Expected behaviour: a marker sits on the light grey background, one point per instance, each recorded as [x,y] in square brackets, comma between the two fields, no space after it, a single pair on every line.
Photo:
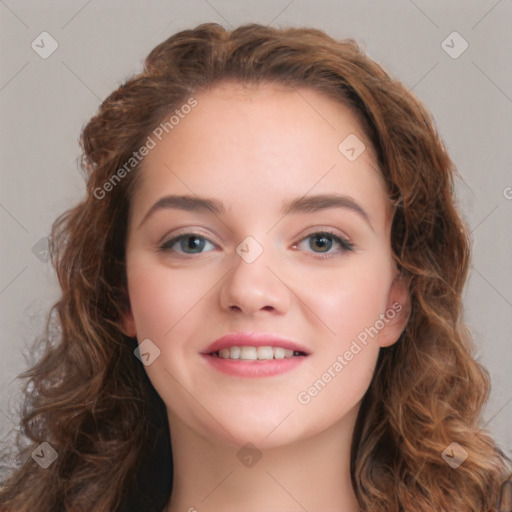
[45,102]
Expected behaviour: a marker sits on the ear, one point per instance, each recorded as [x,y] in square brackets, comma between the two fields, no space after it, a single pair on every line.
[128,324]
[397,312]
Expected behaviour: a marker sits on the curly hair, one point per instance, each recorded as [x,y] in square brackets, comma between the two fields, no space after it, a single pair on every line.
[90,398]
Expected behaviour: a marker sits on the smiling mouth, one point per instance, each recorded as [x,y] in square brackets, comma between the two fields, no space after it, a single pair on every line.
[248,353]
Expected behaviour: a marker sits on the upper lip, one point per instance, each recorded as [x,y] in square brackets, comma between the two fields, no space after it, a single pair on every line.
[254,339]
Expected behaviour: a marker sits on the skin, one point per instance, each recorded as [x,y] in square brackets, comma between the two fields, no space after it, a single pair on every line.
[252,148]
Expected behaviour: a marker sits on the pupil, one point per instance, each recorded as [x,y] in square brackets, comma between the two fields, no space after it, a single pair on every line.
[322,244]
[196,244]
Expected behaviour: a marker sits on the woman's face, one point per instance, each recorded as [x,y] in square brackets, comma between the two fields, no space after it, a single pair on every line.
[256,266]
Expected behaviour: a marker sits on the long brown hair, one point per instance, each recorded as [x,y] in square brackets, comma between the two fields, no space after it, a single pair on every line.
[89,397]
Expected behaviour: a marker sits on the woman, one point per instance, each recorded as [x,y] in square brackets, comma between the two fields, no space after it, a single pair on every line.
[261,296]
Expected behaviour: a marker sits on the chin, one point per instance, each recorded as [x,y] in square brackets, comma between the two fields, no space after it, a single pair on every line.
[257,436]
[264,428]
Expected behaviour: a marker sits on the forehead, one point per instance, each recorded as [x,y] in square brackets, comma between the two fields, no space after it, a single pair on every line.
[244,140]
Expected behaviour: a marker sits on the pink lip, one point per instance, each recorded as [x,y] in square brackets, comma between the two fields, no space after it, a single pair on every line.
[253,368]
[253,339]
[238,368]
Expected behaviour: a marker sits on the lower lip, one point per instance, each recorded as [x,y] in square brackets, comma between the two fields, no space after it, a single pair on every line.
[254,368]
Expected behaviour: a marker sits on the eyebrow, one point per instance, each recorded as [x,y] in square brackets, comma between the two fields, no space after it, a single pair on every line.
[304,204]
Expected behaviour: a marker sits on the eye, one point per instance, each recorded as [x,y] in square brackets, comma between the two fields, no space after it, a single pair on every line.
[194,243]
[187,241]
[324,241]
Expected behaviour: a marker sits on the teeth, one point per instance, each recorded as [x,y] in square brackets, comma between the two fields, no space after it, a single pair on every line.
[248,353]
[278,353]
[224,353]
[265,353]
[253,353]
[234,352]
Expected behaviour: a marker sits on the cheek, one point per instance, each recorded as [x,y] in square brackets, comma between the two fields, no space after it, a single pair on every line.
[345,362]
[347,303]
[347,299]
[159,297]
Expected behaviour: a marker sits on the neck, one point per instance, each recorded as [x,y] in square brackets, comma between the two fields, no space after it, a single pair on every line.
[310,474]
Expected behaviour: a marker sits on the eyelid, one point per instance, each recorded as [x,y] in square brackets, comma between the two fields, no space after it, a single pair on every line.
[326,229]
[185,230]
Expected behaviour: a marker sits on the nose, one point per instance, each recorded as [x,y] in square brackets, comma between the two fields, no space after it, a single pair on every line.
[255,286]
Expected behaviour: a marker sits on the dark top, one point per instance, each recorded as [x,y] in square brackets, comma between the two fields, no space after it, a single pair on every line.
[152,488]
[149,491]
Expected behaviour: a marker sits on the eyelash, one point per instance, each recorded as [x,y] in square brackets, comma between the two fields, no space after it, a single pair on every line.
[343,242]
